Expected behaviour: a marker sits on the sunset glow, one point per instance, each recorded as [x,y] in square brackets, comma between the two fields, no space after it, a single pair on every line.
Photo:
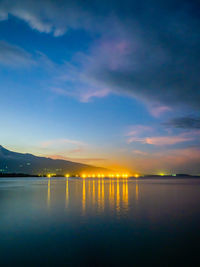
[104,90]
[100,133]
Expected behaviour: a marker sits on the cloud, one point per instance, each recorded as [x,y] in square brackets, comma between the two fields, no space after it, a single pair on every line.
[140,153]
[79,160]
[146,135]
[47,16]
[88,95]
[61,143]
[11,55]
[161,140]
[153,57]
[84,95]
[136,133]
[71,81]
[146,50]
[159,110]
[159,67]
[185,160]
[184,123]
[166,140]
[138,130]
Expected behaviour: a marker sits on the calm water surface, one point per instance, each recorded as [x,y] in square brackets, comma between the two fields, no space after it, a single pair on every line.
[99,222]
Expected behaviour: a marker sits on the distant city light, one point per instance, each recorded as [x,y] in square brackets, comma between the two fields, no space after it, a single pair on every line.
[102,175]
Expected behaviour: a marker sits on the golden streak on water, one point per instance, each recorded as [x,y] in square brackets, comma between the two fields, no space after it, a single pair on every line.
[126,198]
[137,191]
[89,185]
[49,192]
[102,195]
[125,193]
[110,187]
[99,194]
[93,192]
[84,197]
[118,197]
[67,192]
[113,191]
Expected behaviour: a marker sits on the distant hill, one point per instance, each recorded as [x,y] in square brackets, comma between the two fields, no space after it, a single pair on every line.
[13,162]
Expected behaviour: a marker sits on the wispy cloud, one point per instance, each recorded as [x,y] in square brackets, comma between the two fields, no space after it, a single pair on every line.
[138,130]
[93,161]
[88,95]
[73,81]
[161,140]
[84,96]
[60,142]
[14,56]
[136,133]
[140,153]
[166,140]
[152,55]
[159,110]
[146,135]
[188,123]
[185,160]
[47,16]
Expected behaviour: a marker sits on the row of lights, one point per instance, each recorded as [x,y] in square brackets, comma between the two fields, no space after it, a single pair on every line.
[124,175]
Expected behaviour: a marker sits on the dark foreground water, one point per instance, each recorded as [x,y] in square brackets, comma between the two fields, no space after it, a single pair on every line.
[99,222]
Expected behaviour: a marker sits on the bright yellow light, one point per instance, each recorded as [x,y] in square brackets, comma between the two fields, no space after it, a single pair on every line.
[84,175]
[136,175]
[99,175]
[117,175]
[67,175]
[162,174]
[49,175]
[93,175]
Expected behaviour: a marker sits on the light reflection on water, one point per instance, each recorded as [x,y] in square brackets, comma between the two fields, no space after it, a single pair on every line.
[99,222]
[96,193]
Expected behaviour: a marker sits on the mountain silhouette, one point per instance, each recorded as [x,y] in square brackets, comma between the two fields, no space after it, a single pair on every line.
[13,162]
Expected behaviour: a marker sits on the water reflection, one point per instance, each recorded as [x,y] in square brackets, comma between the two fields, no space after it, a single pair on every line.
[49,192]
[118,206]
[84,196]
[136,191]
[105,193]
[101,220]
[99,194]
[67,192]
[93,192]
[125,194]
[102,195]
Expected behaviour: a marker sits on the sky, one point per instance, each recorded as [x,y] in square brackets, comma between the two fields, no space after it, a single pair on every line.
[110,83]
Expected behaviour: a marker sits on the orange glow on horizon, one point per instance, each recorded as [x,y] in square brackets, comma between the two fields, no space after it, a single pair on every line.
[103,175]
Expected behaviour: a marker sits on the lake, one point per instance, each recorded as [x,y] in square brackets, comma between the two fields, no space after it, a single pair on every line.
[99,222]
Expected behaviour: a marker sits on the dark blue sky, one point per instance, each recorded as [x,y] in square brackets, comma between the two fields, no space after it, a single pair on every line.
[110,83]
